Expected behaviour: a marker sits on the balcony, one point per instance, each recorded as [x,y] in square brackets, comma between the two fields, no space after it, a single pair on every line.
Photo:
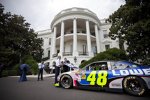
[67,53]
[83,53]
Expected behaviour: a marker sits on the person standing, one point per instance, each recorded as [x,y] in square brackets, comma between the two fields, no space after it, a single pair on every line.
[65,61]
[23,70]
[57,70]
[40,73]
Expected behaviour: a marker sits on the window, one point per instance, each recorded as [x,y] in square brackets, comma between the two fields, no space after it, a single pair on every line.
[95,50]
[58,51]
[48,53]
[49,41]
[84,49]
[105,33]
[71,48]
[97,66]
[106,36]
[123,65]
[42,41]
[107,47]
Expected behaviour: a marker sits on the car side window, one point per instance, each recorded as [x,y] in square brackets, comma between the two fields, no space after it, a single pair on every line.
[120,65]
[97,66]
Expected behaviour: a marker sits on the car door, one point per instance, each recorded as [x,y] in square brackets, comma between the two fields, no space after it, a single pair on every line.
[94,75]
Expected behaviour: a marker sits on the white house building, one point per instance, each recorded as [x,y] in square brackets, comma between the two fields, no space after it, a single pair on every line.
[76,34]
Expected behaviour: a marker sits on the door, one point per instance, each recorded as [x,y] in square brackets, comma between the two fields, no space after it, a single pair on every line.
[95,74]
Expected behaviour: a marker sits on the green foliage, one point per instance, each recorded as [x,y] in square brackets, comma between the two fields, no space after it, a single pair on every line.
[16,68]
[4,73]
[17,39]
[110,54]
[12,72]
[131,23]
[44,59]
[32,63]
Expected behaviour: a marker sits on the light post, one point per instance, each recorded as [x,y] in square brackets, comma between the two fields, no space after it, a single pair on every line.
[75,59]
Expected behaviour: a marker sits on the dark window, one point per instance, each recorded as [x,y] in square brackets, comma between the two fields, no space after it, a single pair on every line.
[84,49]
[58,51]
[48,53]
[49,41]
[97,66]
[107,47]
[105,35]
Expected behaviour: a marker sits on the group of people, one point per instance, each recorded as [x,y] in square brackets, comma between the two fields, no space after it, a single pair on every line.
[61,66]
[25,67]
[58,66]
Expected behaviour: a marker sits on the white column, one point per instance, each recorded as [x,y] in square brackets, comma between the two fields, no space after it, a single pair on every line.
[62,39]
[97,39]
[54,42]
[75,50]
[88,38]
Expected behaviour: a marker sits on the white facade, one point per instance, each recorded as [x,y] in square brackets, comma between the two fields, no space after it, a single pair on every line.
[46,36]
[76,33]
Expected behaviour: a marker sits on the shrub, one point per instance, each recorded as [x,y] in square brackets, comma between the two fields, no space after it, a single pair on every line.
[32,63]
[110,54]
[4,73]
[16,68]
[12,72]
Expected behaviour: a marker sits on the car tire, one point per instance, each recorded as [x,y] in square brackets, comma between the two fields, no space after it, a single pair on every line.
[66,81]
[134,85]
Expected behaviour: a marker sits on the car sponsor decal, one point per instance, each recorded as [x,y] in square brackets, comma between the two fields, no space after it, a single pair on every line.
[95,78]
[102,78]
[125,72]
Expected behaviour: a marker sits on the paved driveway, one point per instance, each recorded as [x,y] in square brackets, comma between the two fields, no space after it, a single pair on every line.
[11,89]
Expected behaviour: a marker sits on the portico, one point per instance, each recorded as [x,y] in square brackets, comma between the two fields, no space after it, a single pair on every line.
[75,32]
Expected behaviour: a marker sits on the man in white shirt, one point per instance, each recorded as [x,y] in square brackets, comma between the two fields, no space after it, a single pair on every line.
[57,70]
[40,73]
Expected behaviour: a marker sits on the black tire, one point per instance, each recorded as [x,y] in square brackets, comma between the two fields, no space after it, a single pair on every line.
[66,82]
[134,85]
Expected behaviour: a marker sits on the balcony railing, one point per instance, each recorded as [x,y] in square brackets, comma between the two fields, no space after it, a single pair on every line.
[67,53]
[83,53]
[83,32]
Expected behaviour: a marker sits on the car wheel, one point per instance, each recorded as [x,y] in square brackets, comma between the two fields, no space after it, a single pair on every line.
[66,81]
[134,85]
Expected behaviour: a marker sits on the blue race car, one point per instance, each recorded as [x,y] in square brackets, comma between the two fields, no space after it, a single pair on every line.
[104,75]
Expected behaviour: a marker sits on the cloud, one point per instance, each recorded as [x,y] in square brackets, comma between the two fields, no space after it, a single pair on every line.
[40,13]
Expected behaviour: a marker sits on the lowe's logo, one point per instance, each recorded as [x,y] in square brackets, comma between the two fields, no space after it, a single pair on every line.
[125,72]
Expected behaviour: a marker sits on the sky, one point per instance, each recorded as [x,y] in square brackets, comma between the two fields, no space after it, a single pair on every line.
[40,13]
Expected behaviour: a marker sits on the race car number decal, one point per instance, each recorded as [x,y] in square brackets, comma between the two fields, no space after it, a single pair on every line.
[101,79]
[92,78]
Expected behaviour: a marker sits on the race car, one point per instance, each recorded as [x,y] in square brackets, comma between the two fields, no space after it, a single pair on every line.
[132,78]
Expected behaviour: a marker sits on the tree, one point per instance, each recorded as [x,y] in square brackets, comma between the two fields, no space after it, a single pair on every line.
[17,39]
[131,23]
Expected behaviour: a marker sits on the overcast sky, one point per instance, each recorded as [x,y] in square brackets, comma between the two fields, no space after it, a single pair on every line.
[40,13]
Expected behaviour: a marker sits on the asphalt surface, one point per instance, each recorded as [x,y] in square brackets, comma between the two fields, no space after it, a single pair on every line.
[11,89]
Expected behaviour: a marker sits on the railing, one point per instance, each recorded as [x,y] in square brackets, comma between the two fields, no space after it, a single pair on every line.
[83,53]
[67,53]
[83,32]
